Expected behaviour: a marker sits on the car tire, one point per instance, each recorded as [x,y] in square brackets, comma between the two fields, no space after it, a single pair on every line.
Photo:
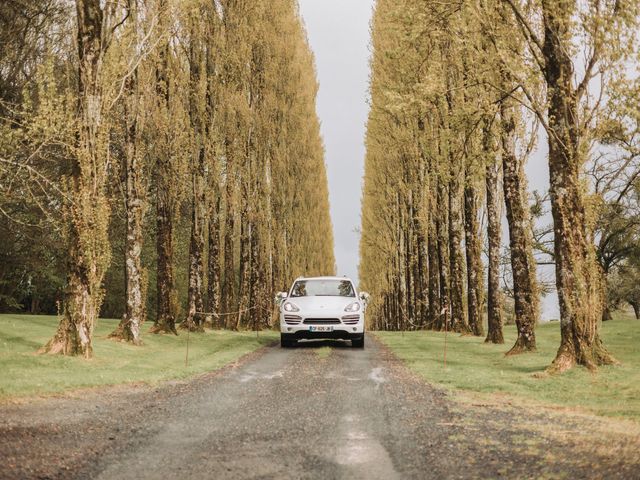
[358,342]
[286,341]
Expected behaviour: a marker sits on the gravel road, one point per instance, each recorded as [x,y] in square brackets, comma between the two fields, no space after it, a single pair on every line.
[308,412]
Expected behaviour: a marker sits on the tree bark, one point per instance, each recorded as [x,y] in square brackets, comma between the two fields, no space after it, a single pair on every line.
[135,281]
[166,302]
[636,309]
[213,287]
[135,202]
[474,260]
[434,276]
[88,210]
[245,272]
[229,285]
[195,318]
[523,267]
[494,298]
[577,274]
[212,318]
[165,282]
[456,224]
[443,259]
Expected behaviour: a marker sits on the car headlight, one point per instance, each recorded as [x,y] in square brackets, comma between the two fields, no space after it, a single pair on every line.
[352,307]
[291,307]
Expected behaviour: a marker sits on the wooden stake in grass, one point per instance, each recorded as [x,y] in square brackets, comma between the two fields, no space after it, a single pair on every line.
[186,358]
[446,320]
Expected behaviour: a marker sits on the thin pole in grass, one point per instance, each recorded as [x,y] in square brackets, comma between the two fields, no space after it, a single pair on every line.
[255,324]
[186,358]
[446,321]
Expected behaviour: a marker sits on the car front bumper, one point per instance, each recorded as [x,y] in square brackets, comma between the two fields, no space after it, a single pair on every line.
[345,326]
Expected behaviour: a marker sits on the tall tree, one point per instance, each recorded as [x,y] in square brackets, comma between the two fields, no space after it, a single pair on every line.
[88,211]
[567,113]
[494,299]
[134,176]
[473,248]
[523,267]
[167,152]
[197,111]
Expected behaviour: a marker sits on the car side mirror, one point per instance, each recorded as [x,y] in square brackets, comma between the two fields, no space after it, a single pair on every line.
[365,297]
[280,298]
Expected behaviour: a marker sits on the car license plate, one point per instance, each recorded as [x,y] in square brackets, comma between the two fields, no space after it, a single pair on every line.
[321,328]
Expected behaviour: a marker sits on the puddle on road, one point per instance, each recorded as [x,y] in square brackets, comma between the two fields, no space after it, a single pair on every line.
[377,377]
[252,375]
[361,455]
[337,376]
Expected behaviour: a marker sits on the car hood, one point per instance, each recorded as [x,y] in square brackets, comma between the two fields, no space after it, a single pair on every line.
[320,305]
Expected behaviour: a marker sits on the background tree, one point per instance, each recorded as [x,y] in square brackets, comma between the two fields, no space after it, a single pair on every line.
[202,112]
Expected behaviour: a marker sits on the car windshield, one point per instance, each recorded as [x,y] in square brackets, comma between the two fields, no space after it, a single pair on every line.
[323,288]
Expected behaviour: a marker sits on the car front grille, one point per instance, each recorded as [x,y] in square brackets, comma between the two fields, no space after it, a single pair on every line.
[292,319]
[350,319]
[322,321]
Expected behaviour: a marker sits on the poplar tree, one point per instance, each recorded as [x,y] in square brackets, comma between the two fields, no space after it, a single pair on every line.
[131,66]
[87,213]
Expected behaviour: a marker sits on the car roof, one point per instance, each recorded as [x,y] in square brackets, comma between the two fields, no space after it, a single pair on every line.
[325,278]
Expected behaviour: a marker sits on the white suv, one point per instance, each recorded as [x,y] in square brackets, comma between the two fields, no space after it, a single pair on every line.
[322,307]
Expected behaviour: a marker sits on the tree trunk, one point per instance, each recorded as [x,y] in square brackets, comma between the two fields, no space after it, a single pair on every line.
[443,259]
[165,281]
[577,274]
[88,211]
[636,309]
[403,310]
[257,284]
[212,318]
[213,287]
[135,284]
[458,316]
[166,302]
[229,286]
[421,273]
[523,267]
[474,260]
[494,298]
[434,280]
[195,304]
[245,271]
[195,319]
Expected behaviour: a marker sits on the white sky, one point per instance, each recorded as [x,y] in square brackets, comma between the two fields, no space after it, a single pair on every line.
[338,32]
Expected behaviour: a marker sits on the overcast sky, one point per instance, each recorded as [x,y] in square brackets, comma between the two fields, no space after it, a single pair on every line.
[339,35]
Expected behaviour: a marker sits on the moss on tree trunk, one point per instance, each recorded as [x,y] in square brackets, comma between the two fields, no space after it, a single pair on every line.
[577,271]
[523,267]
[494,233]
[87,212]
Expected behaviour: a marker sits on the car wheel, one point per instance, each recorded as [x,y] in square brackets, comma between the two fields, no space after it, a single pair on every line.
[286,341]
[358,342]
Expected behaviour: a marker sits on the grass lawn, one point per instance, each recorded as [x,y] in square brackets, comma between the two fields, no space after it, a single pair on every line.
[162,357]
[475,366]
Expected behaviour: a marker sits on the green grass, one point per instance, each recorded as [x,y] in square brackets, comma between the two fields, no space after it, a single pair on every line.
[162,357]
[475,366]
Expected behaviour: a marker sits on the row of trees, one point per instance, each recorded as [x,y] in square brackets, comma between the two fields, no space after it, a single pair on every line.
[197,114]
[459,91]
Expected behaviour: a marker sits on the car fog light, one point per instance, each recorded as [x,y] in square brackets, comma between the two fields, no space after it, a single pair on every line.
[354,329]
[288,329]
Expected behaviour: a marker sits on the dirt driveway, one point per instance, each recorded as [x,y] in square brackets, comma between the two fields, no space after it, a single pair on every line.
[320,411]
